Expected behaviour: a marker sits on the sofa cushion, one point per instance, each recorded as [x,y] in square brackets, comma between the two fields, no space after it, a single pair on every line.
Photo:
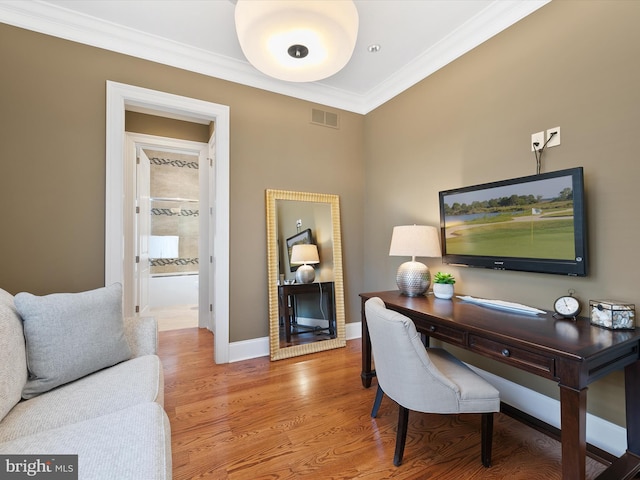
[70,335]
[13,360]
[135,381]
[130,444]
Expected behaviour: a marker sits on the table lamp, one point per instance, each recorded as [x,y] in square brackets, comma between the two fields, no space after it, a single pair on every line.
[305,255]
[413,278]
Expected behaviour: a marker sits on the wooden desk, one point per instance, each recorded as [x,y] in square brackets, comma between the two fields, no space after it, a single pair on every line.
[574,354]
[287,303]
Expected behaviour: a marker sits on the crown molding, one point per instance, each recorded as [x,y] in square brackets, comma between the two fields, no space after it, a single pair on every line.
[489,22]
[48,19]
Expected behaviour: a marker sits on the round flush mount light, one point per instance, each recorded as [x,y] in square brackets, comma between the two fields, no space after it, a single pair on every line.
[297,41]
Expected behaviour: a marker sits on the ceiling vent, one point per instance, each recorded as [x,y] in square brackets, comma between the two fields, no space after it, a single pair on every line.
[326,119]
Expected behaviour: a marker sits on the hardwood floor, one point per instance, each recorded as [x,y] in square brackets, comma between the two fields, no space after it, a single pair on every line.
[308,417]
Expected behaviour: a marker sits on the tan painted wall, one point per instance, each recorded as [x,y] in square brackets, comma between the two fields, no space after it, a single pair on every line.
[570,64]
[52,169]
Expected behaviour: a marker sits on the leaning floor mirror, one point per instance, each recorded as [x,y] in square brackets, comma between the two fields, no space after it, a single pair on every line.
[305,283]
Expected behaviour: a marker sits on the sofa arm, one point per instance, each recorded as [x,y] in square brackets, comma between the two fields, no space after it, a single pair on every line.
[142,335]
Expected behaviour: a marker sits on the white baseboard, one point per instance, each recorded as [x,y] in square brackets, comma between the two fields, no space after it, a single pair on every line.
[248,349]
[354,330]
[313,322]
[601,433]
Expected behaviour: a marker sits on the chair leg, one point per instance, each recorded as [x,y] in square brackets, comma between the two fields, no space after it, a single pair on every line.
[401,436]
[487,438]
[376,402]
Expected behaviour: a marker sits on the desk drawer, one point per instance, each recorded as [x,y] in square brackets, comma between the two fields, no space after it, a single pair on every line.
[523,359]
[446,334]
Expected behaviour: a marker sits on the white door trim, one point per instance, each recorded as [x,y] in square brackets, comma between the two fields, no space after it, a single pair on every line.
[121,97]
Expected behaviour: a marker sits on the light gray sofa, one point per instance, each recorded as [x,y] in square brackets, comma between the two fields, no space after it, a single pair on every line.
[113,418]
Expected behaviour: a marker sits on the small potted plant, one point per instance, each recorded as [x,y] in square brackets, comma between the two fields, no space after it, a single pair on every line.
[443,285]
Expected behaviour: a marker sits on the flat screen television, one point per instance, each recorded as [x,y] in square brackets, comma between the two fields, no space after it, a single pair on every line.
[532,224]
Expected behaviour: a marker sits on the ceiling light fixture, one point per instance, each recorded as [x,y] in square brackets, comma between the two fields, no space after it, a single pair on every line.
[297,41]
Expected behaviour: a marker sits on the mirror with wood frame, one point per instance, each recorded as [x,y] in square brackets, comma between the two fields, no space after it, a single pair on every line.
[304,316]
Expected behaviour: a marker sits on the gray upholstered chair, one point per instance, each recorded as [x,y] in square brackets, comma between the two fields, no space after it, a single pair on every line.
[429,380]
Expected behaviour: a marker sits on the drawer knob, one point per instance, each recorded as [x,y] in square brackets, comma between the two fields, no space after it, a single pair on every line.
[506,352]
[432,328]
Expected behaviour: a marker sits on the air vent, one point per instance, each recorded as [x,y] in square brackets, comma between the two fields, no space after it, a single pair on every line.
[326,119]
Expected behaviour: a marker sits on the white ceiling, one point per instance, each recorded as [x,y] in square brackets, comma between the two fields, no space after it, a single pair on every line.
[417,37]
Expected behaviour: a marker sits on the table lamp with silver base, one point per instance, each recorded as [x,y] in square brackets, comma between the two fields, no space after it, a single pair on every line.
[305,255]
[413,278]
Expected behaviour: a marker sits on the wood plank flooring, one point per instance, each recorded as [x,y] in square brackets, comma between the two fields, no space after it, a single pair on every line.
[309,418]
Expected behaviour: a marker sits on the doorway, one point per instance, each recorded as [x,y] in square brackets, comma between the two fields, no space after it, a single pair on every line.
[171,175]
[117,220]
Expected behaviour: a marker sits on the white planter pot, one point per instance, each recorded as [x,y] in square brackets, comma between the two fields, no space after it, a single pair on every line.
[443,290]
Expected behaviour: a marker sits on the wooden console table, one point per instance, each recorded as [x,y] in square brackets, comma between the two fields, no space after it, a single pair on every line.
[574,354]
[287,303]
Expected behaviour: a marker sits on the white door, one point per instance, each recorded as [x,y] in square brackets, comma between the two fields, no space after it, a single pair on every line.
[208,176]
[143,227]
[206,258]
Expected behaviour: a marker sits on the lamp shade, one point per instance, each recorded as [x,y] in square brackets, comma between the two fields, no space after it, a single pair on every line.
[297,41]
[304,254]
[415,241]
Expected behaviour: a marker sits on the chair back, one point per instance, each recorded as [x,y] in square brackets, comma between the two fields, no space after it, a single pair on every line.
[403,367]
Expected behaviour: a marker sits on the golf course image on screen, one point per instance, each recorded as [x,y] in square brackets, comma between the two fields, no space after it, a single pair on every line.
[532,220]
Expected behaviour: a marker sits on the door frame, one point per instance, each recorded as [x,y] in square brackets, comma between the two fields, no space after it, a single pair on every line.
[121,96]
